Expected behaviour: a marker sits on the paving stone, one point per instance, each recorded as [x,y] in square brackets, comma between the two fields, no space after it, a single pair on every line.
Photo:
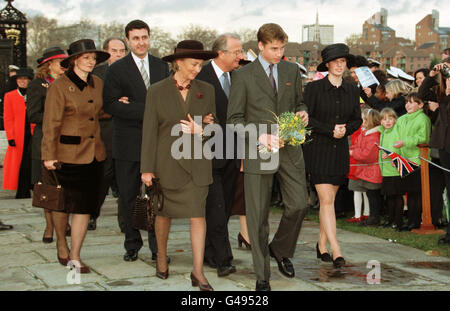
[18,279]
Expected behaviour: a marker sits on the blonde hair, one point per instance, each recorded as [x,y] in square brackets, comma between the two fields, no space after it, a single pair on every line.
[388,112]
[398,87]
[372,116]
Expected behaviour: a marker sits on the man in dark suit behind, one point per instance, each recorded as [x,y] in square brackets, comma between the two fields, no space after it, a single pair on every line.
[124,94]
[117,48]
[225,171]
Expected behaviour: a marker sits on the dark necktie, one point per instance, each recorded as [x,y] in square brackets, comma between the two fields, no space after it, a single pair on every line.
[272,80]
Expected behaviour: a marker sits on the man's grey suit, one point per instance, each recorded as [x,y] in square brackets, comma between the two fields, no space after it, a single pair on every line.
[253,100]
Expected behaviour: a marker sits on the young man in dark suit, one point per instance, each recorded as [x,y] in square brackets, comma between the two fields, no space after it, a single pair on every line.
[266,86]
[124,94]
[225,171]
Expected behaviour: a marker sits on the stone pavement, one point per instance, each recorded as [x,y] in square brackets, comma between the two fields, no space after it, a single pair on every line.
[28,264]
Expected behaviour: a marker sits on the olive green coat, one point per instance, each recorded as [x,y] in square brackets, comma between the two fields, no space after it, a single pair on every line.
[163,110]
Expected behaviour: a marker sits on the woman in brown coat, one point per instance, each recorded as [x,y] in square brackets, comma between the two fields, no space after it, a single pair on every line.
[71,141]
[175,101]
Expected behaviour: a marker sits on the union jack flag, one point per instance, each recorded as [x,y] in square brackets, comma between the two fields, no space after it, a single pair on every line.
[403,165]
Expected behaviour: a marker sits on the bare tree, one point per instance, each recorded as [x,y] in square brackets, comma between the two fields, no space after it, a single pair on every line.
[161,42]
[39,34]
[112,29]
[352,39]
[247,34]
[197,32]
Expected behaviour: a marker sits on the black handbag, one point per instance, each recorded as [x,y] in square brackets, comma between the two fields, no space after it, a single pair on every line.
[146,204]
[50,197]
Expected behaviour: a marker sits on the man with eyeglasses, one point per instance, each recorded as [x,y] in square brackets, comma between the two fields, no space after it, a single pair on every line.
[225,171]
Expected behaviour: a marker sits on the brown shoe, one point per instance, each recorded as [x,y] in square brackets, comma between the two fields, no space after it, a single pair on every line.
[162,275]
[203,287]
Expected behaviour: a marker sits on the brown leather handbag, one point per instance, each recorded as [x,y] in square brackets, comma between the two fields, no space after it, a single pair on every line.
[50,197]
[146,204]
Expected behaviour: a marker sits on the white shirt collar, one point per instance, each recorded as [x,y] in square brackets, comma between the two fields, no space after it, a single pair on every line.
[139,60]
[219,72]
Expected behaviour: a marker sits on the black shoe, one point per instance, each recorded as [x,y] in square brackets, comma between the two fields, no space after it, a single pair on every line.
[5,227]
[325,256]
[155,255]
[47,240]
[210,262]
[444,240]
[339,262]
[131,255]
[92,224]
[262,286]
[284,265]
[225,270]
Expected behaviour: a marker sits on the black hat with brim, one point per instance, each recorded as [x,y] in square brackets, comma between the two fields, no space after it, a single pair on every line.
[84,46]
[51,53]
[332,52]
[24,72]
[190,49]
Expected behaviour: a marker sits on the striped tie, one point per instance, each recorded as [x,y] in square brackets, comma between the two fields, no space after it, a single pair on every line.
[144,74]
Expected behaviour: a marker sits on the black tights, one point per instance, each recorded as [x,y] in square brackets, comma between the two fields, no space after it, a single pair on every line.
[375,203]
[395,209]
[414,209]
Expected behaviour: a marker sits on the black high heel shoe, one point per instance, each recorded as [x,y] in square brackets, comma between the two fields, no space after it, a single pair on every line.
[339,262]
[242,240]
[203,287]
[325,256]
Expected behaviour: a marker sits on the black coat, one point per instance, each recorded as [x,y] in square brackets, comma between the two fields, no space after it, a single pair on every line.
[36,94]
[397,103]
[123,79]
[328,106]
[100,70]
[440,137]
[209,75]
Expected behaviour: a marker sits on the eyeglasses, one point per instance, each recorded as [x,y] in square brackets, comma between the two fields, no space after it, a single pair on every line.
[236,53]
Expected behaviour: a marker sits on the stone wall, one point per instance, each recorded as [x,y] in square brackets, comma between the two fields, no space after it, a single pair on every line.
[3,146]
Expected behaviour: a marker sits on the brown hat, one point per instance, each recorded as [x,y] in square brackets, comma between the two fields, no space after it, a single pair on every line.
[190,49]
[84,46]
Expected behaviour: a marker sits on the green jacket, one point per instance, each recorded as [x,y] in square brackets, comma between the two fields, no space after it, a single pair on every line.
[413,129]
[387,139]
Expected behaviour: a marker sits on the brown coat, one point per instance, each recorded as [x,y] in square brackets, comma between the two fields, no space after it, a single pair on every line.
[71,131]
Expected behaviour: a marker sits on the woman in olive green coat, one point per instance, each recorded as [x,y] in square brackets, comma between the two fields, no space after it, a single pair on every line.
[182,101]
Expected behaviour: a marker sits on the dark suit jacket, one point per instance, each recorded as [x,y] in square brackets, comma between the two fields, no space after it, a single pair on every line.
[123,78]
[209,75]
[253,101]
[100,70]
[164,109]
[36,94]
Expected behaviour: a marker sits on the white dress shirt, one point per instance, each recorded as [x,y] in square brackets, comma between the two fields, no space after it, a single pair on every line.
[138,62]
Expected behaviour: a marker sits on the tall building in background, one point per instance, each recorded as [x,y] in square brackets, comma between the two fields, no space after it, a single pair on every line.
[324,34]
[430,37]
[375,30]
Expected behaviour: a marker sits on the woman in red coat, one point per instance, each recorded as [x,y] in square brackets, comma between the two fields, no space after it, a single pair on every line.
[17,164]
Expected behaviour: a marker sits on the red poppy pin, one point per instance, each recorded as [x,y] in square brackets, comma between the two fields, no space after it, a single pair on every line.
[288,84]
[199,96]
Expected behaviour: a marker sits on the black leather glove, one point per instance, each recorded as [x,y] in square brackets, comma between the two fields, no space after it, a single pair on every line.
[12,142]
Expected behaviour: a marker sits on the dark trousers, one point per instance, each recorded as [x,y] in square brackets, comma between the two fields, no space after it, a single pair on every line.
[108,165]
[375,203]
[24,185]
[129,182]
[437,186]
[445,161]
[218,211]
[395,209]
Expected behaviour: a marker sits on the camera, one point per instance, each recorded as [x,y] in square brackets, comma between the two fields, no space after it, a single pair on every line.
[445,71]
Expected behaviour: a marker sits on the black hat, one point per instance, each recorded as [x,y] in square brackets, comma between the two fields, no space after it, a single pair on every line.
[190,49]
[84,46]
[332,52]
[24,72]
[51,53]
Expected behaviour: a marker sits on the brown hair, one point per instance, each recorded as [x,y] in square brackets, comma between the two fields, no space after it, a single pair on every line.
[388,112]
[271,32]
[414,97]
[43,71]
[372,117]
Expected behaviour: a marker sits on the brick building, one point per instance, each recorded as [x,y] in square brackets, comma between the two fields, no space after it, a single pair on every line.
[430,38]
[375,30]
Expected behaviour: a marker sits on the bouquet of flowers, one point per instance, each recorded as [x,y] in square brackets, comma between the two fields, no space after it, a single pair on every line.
[291,130]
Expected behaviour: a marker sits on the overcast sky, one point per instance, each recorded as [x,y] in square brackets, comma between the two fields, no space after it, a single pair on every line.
[227,15]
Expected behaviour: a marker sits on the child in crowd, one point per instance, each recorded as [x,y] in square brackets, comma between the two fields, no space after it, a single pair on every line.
[393,96]
[358,196]
[412,129]
[391,178]
[365,152]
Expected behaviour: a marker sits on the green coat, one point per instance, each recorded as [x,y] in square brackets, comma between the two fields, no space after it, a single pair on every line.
[413,129]
[252,101]
[387,139]
[164,109]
